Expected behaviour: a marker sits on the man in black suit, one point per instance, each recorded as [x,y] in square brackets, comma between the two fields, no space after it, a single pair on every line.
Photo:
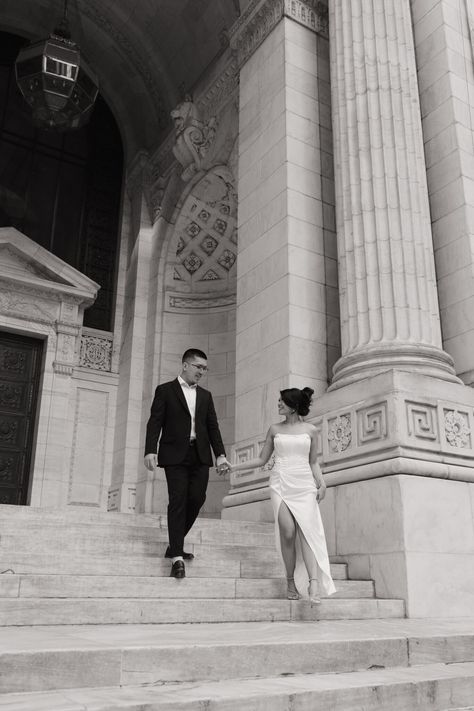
[183,413]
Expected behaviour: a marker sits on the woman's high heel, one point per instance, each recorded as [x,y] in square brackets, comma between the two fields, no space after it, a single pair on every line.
[291,591]
[314,596]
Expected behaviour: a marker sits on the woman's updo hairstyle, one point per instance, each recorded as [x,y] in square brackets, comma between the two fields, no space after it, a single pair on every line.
[298,400]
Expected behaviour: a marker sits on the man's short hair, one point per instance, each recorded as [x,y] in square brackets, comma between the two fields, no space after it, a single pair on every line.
[193,353]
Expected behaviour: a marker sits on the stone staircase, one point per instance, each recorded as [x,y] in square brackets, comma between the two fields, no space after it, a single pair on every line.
[91,621]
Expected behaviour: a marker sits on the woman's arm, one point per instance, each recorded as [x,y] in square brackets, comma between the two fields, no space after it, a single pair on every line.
[315,468]
[263,457]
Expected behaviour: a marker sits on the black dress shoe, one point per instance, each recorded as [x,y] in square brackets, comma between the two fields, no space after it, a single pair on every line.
[178,570]
[186,556]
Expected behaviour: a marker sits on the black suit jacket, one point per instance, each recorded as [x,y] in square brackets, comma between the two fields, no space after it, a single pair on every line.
[171,418]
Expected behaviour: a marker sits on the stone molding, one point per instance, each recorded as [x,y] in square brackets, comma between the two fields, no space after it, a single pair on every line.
[262,16]
[370,360]
[199,302]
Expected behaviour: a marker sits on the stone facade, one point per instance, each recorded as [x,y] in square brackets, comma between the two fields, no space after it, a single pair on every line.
[304,215]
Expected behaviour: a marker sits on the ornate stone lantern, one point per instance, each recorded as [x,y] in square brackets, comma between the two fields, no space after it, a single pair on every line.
[56,81]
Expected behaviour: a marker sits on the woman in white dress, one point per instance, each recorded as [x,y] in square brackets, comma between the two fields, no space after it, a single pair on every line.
[296,486]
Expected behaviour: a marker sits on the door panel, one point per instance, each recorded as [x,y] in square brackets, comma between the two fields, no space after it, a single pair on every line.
[20,369]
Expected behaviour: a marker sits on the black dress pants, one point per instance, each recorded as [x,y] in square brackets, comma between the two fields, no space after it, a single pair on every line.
[187,484]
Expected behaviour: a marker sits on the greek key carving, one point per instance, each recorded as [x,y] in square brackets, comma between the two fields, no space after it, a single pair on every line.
[422,421]
[372,423]
[339,433]
[457,430]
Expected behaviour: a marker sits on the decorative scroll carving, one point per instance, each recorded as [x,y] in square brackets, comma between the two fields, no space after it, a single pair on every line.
[96,352]
[457,430]
[422,421]
[193,137]
[339,433]
[372,423]
[261,16]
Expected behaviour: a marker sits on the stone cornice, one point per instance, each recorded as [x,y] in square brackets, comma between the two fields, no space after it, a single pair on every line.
[262,16]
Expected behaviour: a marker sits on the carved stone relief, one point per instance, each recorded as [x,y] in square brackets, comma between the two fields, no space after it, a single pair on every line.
[262,16]
[339,433]
[96,352]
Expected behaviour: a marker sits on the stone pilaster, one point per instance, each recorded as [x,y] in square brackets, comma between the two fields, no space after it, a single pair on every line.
[444,47]
[286,267]
[388,297]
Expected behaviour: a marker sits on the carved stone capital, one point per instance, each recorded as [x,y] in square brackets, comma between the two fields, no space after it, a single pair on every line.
[262,16]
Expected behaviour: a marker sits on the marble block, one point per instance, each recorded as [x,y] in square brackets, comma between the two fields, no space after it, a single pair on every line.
[414,536]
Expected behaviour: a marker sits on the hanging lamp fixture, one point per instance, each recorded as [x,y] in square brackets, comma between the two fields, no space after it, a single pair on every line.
[56,81]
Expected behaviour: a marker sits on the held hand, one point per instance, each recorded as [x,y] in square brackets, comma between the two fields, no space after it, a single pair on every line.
[321,492]
[222,465]
[151,461]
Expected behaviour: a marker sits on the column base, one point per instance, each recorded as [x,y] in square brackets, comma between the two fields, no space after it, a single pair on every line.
[373,360]
[414,536]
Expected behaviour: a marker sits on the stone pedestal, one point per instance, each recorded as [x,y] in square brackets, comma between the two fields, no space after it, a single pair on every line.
[413,535]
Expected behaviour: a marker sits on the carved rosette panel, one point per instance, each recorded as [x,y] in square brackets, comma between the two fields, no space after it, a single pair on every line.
[422,421]
[372,423]
[339,433]
[96,352]
[457,429]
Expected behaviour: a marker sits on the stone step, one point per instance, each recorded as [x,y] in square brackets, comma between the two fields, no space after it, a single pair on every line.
[204,566]
[95,611]
[120,586]
[19,535]
[28,515]
[45,658]
[12,546]
[428,688]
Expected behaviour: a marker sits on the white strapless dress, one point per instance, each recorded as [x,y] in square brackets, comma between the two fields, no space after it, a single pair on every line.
[292,481]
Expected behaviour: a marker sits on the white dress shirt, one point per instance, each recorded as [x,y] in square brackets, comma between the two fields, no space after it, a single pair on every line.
[189,392]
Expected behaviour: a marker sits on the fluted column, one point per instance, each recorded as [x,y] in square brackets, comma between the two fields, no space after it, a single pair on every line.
[388,297]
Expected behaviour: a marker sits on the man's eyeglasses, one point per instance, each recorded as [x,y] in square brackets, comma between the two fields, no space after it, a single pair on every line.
[202,368]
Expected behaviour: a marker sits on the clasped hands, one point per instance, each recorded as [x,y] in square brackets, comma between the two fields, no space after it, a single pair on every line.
[223,465]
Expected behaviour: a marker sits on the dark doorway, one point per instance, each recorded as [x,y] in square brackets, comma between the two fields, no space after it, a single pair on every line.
[63,190]
[20,369]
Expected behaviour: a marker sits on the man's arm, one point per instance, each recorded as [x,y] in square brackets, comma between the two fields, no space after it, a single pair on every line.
[153,428]
[215,438]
